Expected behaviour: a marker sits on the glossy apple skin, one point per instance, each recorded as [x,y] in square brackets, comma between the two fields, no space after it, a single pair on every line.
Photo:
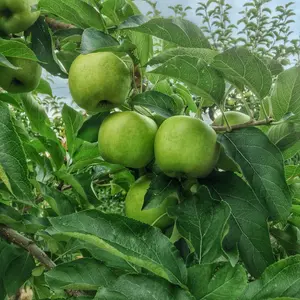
[186,146]
[99,81]
[134,202]
[23,80]
[16,15]
[127,138]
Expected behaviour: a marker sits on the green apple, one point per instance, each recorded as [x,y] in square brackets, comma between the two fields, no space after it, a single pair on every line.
[134,202]
[16,15]
[99,81]
[22,80]
[127,138]
[186,146]
[234,118]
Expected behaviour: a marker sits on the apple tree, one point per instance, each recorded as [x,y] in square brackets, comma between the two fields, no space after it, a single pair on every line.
[173,174]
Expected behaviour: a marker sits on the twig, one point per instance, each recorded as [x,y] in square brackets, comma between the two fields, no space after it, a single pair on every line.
[57,25]
[244,125]
[22,241]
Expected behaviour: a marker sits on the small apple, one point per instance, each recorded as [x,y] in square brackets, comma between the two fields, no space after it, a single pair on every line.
[234,118]
[22,80]
[127,138]
[99,81]
[186,146]
[134,202]
[16,15]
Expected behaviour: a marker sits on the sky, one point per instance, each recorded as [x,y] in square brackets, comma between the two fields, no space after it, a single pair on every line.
[60,86]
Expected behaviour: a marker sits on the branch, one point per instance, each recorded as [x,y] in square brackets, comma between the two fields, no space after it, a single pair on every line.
[244,125]
[57,25]
[14,237]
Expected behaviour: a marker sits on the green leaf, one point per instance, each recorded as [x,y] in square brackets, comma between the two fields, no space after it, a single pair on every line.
[43,46]
[192,67]
[239,64]
[38,117]
[248,229]
[286,93]
[160,103]
[12,158]
[90,128]
[12,99]
[291,171]
[129,287]
[176,30]
[284,135]
[4,62]
[280,279]
[202,221]
[288,239]
[94,40]
[217,283]
[81,274]
[73,121]
[262,165]
[136,242]
[62,204]
[9,48]
[16,266]
[161,187]
[44,88]
[67,58]
[75,12]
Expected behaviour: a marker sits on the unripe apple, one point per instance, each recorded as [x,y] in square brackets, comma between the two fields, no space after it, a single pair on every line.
[127,138]
[17,15]
[99,81]
[185,146]
[234,118]
[23,80]
[134,202]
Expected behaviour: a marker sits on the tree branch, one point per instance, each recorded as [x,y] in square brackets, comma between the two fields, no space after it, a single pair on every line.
[57,25]
[14,237]
[244,125]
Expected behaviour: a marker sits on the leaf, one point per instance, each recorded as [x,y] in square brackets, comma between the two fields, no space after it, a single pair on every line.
[202,221]
[288,239]
[191,66]
[291,171]
[141,287]
[279,280]
[217,283]
[248,229]
[94,40]
[11,99]
[38,117]
[12,158]
[262,165]
[9,48]
[160,103]
[62,204]
[4,62]
[16,266]
[75,12]
[82,274]
[117,10]
[136,242]
[90,128]
[284,135]
[176,30]
[285,97]
[44,88]
[161,187]
[73,121]
[43,46]
[239,64]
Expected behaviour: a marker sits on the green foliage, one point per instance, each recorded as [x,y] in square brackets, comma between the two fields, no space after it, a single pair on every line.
[232,235]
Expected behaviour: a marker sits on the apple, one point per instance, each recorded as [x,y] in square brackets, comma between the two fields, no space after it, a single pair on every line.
[127,138]
[234,118]
[186,146]
[134,202]
[17,15]
[99,81]
[22,80]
